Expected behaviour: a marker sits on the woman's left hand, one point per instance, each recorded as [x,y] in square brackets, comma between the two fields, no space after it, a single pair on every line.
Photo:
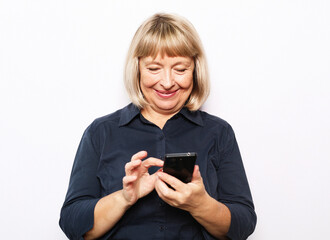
[185,196]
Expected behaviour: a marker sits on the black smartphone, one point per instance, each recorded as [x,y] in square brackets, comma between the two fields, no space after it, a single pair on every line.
[180,165]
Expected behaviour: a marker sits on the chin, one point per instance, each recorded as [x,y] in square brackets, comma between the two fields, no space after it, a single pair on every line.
[167,107]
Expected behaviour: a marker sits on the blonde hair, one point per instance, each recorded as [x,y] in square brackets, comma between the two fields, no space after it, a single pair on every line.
[170,35]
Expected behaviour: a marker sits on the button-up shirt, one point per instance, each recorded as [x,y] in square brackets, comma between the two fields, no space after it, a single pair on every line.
[109,143]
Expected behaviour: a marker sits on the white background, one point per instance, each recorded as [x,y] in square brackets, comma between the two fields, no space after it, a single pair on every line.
[61,65]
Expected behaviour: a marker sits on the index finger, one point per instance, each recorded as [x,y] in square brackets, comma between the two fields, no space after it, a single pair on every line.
[139,155]
[153,162]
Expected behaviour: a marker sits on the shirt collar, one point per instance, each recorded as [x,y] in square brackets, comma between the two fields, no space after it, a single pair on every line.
[131,111]
[128,113]
[194,117]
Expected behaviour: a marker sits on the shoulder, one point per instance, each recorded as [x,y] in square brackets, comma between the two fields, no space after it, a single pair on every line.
[110,120]
[217,126]
[210,120]
[220,129]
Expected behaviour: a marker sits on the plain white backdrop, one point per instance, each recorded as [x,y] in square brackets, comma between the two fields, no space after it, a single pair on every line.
[61,65]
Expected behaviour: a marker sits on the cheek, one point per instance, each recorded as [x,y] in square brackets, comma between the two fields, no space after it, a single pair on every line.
[147,81]
[186,81]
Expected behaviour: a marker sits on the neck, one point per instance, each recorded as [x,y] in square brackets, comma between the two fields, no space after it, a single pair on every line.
[157,118]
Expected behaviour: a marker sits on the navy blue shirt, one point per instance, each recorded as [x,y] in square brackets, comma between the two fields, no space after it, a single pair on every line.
[109,143]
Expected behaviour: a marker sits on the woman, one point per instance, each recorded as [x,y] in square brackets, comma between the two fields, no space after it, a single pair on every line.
[117,188]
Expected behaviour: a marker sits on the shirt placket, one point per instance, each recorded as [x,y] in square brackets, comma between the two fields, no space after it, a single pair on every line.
[161,213]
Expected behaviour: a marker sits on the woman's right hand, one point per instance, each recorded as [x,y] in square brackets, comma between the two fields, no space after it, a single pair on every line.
[138,182]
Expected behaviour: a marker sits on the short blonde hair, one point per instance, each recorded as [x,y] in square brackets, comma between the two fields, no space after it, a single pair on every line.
[170,35]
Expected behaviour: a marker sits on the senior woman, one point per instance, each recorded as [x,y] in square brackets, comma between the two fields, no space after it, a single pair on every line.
[117,189]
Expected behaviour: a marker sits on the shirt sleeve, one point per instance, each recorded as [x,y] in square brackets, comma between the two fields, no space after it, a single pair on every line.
[77,213]
[233,188]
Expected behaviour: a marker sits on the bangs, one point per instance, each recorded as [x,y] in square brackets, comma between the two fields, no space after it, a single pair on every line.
[166,39]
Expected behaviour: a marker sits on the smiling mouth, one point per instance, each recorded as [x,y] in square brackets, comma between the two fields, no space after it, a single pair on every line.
[166,94]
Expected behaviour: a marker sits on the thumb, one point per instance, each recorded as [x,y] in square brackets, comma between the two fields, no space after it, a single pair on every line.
[196,174]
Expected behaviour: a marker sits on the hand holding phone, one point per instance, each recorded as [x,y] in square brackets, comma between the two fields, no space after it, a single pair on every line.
[180,165]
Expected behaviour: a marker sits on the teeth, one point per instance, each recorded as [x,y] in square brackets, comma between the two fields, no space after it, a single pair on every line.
[167,93]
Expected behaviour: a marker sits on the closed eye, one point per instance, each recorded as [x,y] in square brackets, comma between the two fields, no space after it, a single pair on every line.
[153,69]
[181,70]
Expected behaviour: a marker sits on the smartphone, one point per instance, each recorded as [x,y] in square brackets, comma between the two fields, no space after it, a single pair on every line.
[180,165]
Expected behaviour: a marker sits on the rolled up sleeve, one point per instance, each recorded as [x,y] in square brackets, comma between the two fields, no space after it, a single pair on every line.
[77,213]
[234,190]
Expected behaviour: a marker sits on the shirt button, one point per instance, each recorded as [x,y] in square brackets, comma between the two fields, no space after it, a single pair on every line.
[162,228]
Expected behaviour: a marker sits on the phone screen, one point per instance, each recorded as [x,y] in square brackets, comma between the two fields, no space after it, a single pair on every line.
[180,165]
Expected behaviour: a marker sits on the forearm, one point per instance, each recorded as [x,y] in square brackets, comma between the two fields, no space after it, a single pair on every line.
[214,216]
[108,211]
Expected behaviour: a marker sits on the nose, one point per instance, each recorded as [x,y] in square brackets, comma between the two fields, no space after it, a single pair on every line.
[167,81]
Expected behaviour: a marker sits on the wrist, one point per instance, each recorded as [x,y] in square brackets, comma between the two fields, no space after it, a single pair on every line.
[202,205]
[122,200]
